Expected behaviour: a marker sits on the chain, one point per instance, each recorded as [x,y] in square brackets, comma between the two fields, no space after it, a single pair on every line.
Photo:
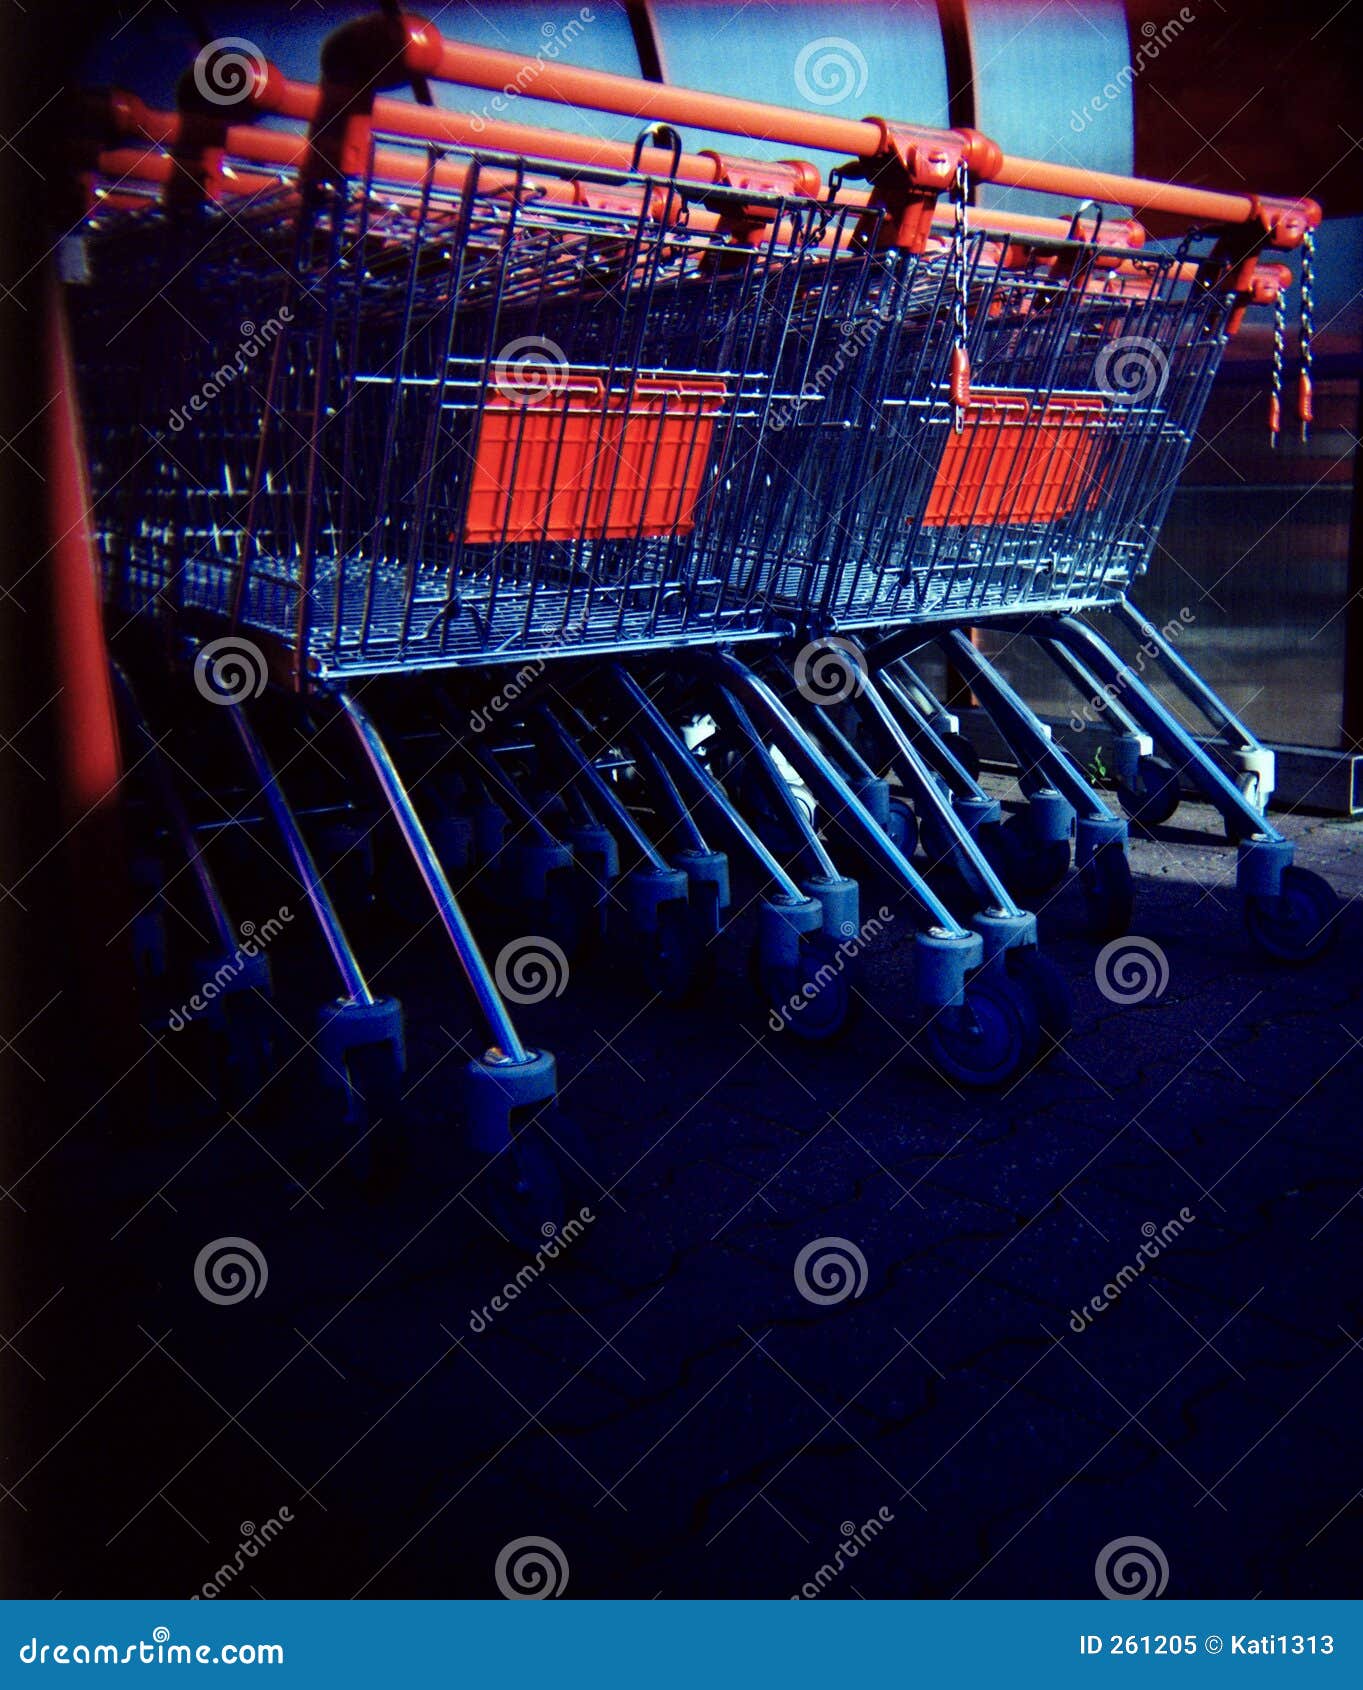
[1275,394]
[1307,330]
[960,359]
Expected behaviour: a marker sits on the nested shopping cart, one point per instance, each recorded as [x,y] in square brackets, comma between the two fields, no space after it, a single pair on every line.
[391,412]
[1031,483]
[507,401]
[425,478]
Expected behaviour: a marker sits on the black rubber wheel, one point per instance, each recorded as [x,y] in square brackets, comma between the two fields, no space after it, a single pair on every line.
[520,1194]
[1109,892]
[964,753]
[991,1038]
[670,961]
[1028,867]
[1298,925]
[825,976]
[1049,991]
[903,828]
[571,913]
[248,1047]
[1157,793]
[374,1117]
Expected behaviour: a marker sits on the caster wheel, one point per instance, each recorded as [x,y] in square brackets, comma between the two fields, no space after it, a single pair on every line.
[1049,991]
[903,828]
[1028,868]
[373,1116]
[1109,892]
[989,1039]
[964,753]
[520,1194]
[1156,794]
[1299,924]
[670,961]
[1241,827]
[572,914]
[248,1048]
[814,999]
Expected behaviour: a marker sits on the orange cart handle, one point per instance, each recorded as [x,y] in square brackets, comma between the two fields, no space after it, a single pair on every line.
[425,52]
[127,116]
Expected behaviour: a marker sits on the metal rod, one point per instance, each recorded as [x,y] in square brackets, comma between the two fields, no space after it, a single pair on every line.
[352,976]
[689,765]
[929,793]
[583,766]
[1023,728]
[845,802]
[466,951]
[1162,725]
[1187,680]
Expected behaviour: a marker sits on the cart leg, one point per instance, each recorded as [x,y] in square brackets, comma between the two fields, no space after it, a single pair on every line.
[1252,761]
[1100,837]
[1149,788]
[1009,933]
[798,927]
[655,894]
[1291,913]
[361,1037]
[508,1082]
[842,802]
[237,965]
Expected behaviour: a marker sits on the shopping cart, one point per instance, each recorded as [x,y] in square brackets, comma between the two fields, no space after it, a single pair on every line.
[1030,484]
[589,401]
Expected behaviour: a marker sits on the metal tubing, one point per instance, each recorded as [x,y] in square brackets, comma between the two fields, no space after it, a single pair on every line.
[1087,684]
[466,950]
[930,794]
[352,976]
[185,831]
[781,787]
[1162,726]
[491,68]
[1228,726]
[1022,727]
[846,803]
[958,777]
[586,770]
[684,761]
